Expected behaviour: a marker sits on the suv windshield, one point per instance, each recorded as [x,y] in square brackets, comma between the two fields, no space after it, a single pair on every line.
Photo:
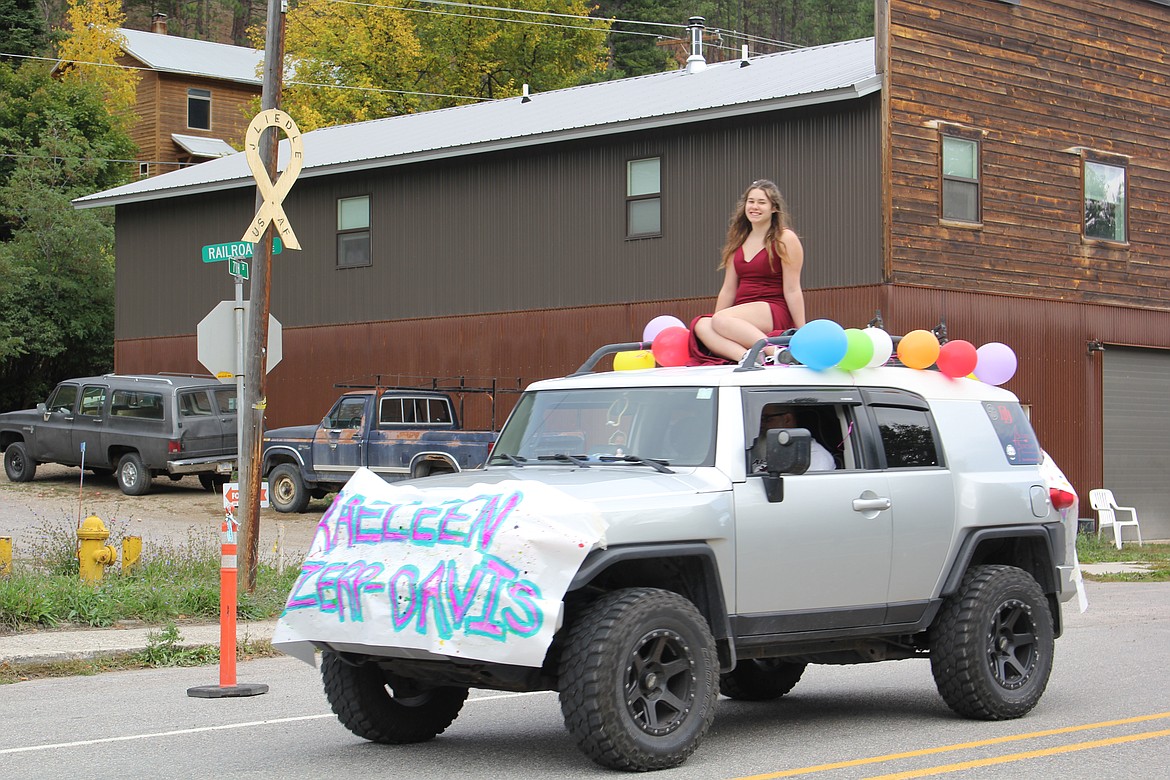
[675,424]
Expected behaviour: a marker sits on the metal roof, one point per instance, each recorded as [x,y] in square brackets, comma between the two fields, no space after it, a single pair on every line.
[172,54]
[199,146]
[820,74]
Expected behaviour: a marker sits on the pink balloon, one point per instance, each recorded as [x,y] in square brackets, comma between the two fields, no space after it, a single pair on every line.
[672,347]
[997,363]
[659,324]
[957,358]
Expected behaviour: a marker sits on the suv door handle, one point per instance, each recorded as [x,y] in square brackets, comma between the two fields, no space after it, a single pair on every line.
[870,504]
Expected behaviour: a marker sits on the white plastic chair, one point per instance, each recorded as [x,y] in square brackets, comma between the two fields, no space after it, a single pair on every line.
[1102,500]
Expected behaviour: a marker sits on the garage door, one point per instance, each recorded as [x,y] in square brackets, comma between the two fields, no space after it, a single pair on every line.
[1136,417]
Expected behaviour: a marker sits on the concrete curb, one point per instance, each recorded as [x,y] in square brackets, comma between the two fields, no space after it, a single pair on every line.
[49,645]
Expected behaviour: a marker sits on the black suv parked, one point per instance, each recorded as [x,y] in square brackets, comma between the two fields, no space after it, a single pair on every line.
[132,426]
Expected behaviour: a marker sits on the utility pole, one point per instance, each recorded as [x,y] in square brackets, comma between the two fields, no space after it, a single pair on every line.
[255,400]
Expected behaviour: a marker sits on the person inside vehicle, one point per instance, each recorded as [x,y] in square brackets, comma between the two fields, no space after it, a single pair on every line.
[780,416]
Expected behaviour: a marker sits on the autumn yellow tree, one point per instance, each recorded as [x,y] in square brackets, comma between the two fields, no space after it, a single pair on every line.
[354,60]
[89,52]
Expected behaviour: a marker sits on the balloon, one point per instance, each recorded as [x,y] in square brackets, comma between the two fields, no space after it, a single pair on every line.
[659,324]
[858,350]
[997,363]
[630,361]
[820,344]
[918,349]
[671,347]
[883,347]
[957,358]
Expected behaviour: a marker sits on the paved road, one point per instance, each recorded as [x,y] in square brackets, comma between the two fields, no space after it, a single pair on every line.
[1106,715]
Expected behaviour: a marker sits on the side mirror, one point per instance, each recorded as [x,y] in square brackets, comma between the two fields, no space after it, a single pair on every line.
[43,411]
[789,452]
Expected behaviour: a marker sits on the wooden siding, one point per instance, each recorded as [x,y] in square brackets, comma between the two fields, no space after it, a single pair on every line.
[1057,377]
[526,230]
[1039,79]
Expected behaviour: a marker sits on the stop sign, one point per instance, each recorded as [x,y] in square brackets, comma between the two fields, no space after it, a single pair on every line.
[217,339]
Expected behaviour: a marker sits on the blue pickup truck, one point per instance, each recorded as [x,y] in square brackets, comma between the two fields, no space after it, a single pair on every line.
[396,433]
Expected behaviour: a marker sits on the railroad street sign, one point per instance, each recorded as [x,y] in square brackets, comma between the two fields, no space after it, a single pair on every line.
[238,268]
[236,250]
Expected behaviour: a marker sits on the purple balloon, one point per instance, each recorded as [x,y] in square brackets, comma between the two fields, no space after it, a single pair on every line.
[659,324]
[996,363]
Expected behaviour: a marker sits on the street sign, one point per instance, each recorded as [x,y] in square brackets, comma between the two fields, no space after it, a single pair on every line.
[238,268]
[236,250]
[216,339]
[231,495]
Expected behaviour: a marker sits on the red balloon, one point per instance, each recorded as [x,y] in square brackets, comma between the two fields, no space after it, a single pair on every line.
[671,347]
[957,358]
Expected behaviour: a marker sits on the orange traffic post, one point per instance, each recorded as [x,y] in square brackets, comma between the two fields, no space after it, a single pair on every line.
[228,576]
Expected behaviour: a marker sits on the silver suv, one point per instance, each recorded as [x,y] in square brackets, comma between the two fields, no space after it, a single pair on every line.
[133,427]
[726,564]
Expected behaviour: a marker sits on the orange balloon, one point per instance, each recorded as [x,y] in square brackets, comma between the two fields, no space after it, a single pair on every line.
[918,349]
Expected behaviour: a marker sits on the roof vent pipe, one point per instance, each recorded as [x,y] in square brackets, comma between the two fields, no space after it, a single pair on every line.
[743,57]
[158,24]
[695,62]
[524,98]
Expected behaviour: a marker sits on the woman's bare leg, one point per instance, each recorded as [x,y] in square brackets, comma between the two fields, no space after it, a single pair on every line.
[725,348]
[744,324]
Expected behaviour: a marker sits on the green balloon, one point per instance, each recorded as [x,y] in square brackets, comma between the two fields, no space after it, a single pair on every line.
[858,350]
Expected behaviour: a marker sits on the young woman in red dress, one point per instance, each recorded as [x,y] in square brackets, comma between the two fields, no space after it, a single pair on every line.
[761,292]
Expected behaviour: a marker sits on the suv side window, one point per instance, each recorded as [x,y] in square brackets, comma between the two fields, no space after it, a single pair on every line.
[62,399]
[194,404]
[348,413]
[225,400]
[131,403]
[93,401]
[907,437]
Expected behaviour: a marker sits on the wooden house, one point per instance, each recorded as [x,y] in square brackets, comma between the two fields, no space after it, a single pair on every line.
[997,168]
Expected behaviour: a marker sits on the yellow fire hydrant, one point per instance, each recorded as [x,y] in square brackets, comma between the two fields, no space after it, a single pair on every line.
[93,553]
[5,556]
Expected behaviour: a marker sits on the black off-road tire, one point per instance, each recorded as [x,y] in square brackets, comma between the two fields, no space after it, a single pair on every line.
[17,464]
[132,476]
[286,489]
[991,644]
[374,705]
[760,679]
[639,679]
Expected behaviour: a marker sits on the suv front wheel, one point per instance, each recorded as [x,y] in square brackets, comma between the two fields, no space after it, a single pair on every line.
[133,478]
[991,645]
[639,679]
[287,490]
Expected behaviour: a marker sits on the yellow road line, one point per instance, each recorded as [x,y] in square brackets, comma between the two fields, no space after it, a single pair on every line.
[939,770]
[808,770]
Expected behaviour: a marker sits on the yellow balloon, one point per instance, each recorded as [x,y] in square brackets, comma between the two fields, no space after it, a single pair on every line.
[918,349]
[631,361]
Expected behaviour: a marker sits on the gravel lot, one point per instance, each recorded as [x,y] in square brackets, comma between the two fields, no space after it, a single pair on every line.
[170,512]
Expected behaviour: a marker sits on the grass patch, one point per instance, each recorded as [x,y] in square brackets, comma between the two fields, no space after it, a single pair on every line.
[164,649]
[1090,549]
[177,582]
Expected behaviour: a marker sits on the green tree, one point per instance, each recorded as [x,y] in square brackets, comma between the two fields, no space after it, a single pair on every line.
[22,28]
[357,61]
[58,141]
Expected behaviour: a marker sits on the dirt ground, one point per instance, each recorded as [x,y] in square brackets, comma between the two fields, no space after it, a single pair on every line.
[169,513]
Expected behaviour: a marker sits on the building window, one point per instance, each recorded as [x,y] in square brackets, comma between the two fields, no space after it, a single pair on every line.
[353,232]
[960,179]
[644,198]
[199,109]
[1105,200]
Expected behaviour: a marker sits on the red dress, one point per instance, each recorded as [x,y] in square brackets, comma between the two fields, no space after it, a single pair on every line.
[757,282]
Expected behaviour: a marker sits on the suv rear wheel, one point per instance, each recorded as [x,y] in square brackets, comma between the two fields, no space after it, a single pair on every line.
[133,478]
[639,679]
[17,465]
[381,707]
[760,679]
[991,645]
[286,489]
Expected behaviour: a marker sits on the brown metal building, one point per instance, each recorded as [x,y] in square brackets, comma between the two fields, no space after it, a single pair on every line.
[998,166]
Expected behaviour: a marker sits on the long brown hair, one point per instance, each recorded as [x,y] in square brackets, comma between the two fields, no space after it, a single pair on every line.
[738,226]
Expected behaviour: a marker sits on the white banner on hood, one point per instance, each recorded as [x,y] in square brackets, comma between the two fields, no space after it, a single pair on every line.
[472,572]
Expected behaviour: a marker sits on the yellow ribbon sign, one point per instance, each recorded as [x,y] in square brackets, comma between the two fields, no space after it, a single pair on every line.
[271,211]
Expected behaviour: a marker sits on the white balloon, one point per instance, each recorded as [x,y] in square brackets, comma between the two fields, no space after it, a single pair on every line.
[883,347]
[659,324]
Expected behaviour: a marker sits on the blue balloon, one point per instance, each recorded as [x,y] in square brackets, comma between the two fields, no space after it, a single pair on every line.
[820,344]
